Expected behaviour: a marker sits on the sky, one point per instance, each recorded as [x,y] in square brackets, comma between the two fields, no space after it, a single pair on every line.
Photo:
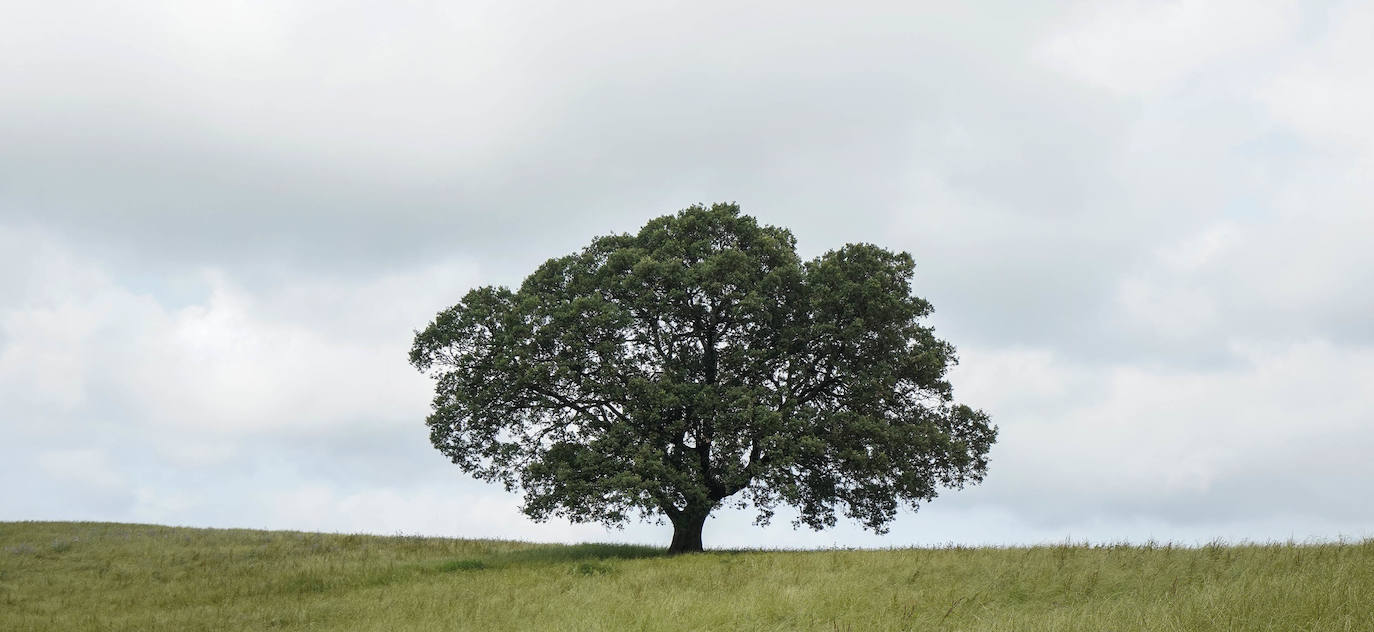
[1146,226]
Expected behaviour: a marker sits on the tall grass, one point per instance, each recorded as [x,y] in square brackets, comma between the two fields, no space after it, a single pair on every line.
[97,576]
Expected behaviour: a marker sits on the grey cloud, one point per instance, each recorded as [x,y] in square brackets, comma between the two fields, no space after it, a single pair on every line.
[512,148]
[621,112]
[301,187]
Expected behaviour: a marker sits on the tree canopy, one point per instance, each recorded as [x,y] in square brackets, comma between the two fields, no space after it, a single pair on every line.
[702,362]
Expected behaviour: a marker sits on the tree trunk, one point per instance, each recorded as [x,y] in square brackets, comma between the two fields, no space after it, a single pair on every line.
[687,532]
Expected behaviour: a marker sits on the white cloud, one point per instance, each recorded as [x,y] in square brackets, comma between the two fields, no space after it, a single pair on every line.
[87,467]
[424,510]
[410,93]
[1177,312]
[54,303]
[1195,251]
[1301,271]
[1192,446]
[1326,88]
[1139,48]
[310,355]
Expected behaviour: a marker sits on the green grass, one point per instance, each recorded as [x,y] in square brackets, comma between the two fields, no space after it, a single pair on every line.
[98,576]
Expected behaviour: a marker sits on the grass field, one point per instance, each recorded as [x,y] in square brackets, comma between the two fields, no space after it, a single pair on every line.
[98,576]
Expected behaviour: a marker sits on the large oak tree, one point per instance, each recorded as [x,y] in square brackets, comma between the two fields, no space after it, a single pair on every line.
[701,362]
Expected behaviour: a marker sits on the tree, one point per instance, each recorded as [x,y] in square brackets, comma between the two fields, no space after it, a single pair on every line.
[664,373]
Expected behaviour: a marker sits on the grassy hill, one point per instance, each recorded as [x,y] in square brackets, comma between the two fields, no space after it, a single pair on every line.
[98,576]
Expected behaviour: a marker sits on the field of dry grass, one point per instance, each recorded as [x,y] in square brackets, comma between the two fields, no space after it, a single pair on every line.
[98,576]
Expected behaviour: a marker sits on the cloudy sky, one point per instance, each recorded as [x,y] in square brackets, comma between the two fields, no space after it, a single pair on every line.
[1146,226]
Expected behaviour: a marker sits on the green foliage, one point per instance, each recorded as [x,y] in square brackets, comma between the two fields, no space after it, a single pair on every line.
[701,360]
[148,578]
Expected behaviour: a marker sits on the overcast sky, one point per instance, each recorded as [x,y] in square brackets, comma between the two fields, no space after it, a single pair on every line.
[1146,226]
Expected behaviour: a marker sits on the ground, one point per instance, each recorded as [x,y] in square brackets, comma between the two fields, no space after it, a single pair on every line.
[101,576]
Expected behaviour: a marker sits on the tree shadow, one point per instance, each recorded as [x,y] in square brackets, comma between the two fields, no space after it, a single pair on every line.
[578,552]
